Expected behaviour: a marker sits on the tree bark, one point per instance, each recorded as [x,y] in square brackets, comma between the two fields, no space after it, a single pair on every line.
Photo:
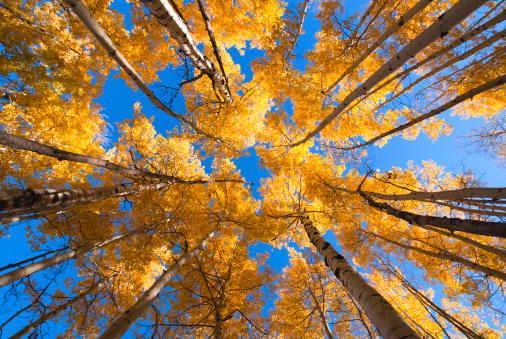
[58,259]
[456,43]
[210,32]
[457,100]
[54,312]
[299,29]
[418,7]
[129,317]
[440,28]
[449,257]
[19,199]
[487,43]
[497,251]
[168,18]
[84,14]
[325,324]
[489,228]
[493,193]
[384,317]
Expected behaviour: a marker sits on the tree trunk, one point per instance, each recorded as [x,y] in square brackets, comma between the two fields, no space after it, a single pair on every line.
[493,229]
[84,14]
[418,7]
[168,18]
[497,251]
[493,193]
[54,312]
[440,28]
[384,317]
[325,324]
[456,43]
[58,259]
[487,43]
[299,29]
[19,199]
[210,32]
[129,317]
[450,257]
[457,100]
[13,141]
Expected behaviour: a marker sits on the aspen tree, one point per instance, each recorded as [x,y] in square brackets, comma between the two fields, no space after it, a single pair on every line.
[384,317]
[27,270]
[18,199]
[127,319]
[48,316]
[445,23]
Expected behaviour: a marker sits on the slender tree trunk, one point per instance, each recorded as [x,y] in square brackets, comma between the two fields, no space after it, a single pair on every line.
[384,317]
[418,7]
[457,100]
[58,259]
[450,257]
[467,210]
[489,228]
[129,317]
[168,18]
[424,300]
[440,28]
[54,312]
[497,251]
[220,306]
[299,29]
[493,193]
[456,43]
[210,32]
[325,324]
[487,43]
[19,199]
[84,14]
[43,255]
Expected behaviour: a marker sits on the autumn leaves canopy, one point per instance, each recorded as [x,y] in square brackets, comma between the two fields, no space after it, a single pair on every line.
[130,231]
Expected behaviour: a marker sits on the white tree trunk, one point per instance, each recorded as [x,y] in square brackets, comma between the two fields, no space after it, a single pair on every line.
[168,18]
[19,199]
[457,42]
[58,259]
[129,317]
[53,313]
[489,228]
[445,255]
[440,28]
[323,319]
[80,9]
[418,7]
[487,43]
[497,251]
[454,102]
[384,317]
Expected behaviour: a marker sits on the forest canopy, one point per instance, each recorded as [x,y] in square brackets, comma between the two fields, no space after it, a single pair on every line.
[140,221]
